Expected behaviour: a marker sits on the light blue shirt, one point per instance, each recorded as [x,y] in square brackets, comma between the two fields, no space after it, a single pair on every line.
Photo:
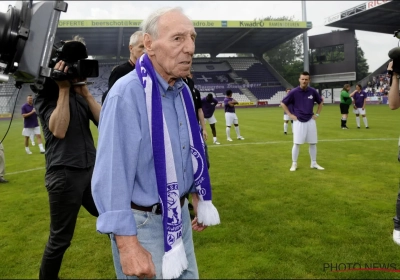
[124,169]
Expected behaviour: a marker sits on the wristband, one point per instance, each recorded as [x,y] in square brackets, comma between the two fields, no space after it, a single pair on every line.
[317,115]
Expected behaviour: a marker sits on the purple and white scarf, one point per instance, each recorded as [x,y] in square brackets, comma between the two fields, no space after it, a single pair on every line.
[174,260]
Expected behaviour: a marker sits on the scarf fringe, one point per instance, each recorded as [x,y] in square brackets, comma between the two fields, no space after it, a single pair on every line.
[207,214]
[174,262]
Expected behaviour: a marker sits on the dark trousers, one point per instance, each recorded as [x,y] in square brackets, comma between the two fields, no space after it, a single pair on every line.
[68,189]
[397,218]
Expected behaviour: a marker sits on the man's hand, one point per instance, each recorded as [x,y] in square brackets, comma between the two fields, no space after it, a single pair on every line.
[390,66]
[135,260]
[82,90]
[205,135]
[315,117]
[60,66]
[196,226]
[293,117]
[33,110]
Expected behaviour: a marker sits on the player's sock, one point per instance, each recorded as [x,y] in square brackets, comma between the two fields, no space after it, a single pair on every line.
[41,147]
[365,121]
[342,123]
[285,125]
[358,121]
[27,150]
[228,132]
[214,139]
[295,152]
[313,153]
[237,131]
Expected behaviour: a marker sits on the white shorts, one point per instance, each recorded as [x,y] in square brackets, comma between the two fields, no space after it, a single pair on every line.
[211,120]
[286,117]
[305,132]
[31,131]
[231,118]
[359,111]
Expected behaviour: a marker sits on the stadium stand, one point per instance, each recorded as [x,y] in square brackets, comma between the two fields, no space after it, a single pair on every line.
[8,94]
[247,74]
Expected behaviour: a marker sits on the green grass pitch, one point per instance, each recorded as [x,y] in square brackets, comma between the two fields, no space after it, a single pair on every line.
[274,223]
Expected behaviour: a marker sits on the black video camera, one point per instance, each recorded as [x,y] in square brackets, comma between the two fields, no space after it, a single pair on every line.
[394,54]
[74,54]
[27,33]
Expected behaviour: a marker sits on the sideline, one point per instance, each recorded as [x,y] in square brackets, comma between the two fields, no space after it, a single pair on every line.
[23,171]
[291,141]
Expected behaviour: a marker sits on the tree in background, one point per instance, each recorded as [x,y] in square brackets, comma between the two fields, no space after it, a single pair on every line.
[288,58]
[362,65]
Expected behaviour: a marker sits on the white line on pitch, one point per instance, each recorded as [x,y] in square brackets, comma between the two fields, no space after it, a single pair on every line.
[291,141]
[254,143]
[23,171]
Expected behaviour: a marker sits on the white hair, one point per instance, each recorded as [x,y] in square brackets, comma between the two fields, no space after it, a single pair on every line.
[150,25]
[135,37]
[78,39]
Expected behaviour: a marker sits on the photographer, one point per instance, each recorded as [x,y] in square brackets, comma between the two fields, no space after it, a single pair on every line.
[394,98]
[65,111]
[394,103]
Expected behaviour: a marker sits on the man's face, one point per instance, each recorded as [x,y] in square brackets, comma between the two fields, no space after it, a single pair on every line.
[171,53]
[304,80]
[29,99]
[136,50]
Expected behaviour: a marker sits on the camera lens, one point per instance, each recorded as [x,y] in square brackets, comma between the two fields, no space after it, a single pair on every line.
[8,35]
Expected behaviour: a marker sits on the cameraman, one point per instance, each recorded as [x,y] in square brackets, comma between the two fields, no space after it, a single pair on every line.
[394,98]
[65,112]
[394,103]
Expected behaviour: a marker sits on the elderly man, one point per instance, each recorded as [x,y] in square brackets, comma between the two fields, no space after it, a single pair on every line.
[136,50]
[150,155]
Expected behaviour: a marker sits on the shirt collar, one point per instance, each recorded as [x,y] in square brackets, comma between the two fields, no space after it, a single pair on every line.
[178,86]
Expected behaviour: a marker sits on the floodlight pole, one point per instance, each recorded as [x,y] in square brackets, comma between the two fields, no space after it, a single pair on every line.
[305,39]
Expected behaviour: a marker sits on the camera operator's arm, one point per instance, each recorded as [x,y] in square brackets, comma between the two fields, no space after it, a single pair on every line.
[93,105]
[393,98]
[59,119]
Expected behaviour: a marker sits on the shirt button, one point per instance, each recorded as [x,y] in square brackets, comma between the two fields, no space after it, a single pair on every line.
[180,124]
[183,147]
[184,170]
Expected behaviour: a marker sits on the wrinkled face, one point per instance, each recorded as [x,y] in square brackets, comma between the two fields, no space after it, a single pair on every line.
[136,50]
[29,99]
[171,53]
[304,80]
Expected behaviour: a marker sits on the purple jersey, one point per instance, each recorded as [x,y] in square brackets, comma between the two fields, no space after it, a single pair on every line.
[359,98]
[302,102]
[228,108]
[208,106]
[31,121]
[289,108]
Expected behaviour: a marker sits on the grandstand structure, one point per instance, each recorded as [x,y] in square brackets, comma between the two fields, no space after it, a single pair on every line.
[251,78]
[372,16]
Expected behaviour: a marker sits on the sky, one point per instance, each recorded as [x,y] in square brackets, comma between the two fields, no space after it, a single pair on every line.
[375,45]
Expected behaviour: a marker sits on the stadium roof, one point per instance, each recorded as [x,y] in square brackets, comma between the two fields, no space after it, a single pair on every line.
[111,37]
[375,16]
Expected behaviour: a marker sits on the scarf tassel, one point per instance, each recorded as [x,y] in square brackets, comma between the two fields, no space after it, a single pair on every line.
[174,262]
[207,214]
